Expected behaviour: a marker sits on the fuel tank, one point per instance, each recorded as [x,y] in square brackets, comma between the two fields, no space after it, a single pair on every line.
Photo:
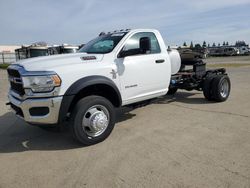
[175,60]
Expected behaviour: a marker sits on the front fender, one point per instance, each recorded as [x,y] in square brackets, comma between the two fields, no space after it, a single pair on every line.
[78,86]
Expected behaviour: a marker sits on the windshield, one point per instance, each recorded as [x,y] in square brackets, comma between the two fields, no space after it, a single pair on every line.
[103,44]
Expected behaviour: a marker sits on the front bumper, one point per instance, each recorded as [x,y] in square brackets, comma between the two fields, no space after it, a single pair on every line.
[37,110]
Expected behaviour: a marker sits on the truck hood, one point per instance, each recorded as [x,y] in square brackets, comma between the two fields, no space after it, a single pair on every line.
[49,62]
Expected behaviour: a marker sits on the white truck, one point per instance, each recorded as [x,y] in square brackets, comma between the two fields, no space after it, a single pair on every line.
[115,69]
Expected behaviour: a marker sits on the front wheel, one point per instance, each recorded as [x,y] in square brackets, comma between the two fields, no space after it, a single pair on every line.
[92,120]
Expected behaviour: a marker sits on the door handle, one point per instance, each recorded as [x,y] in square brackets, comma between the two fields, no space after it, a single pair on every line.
[159,61]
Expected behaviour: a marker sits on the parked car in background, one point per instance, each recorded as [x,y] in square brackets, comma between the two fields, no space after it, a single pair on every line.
[42,49]
[244,50]
[63,49]
[34,50]
[223,51]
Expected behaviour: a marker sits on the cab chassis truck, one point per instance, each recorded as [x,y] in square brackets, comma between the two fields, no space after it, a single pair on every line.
[116,69]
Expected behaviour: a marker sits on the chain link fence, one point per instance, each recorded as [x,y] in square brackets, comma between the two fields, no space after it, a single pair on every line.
[7,57]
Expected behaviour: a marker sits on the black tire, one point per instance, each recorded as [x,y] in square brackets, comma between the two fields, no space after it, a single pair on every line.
[81,110]
[221,88]
[207,89]
[172,91]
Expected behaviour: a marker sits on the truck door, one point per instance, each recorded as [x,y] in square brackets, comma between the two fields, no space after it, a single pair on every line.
[142,75]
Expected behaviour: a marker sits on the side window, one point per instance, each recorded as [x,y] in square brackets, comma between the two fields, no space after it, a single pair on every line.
[133,42]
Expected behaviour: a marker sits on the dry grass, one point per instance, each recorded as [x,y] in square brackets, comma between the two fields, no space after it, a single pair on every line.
[233,65]
[4,66]
[228,59]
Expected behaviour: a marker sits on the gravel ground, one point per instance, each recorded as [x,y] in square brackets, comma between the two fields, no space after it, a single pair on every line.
[176,141]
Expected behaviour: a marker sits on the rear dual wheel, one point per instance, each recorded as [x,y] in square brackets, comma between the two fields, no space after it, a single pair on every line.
[217,88]
[221,88]
[207,88]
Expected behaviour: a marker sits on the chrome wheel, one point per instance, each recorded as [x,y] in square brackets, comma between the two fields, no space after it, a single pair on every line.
[224,88]
[95,121]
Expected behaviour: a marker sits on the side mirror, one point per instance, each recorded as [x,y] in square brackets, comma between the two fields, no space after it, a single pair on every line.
[144,48]
[130,52]
[145,45]
[122,54]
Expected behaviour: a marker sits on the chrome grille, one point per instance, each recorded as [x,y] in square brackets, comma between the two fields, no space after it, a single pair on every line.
[15,81]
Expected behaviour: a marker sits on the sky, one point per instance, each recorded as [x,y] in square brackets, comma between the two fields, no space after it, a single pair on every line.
[79,21]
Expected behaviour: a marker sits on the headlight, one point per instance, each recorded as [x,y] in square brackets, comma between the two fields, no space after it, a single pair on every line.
[41,83]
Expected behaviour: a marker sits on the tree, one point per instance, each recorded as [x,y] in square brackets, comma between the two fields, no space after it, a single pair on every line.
[191,45]
[224,43]
[184,44]
[204,45]
[240,43]
[197,46]
[214,44]
[218,44]
[227,44]
[208,45]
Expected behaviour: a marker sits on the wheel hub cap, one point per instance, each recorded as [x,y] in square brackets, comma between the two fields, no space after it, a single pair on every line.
[99,121]
[95,120]
[224,88]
